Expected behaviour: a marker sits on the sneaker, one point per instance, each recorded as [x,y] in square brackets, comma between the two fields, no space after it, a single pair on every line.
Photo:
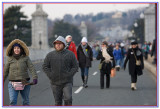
[85,86]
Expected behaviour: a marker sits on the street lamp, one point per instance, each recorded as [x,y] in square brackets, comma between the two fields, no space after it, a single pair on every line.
[142,29]
[15,28]
[141,15]
[55,36]
[135,24]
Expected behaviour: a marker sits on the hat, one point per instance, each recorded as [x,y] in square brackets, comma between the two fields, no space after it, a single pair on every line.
[18,45]
[122,44]
[84,39]
[61,39]
[68,36]
[134,43]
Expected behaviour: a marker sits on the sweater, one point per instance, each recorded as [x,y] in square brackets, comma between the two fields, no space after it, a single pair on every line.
[60,66]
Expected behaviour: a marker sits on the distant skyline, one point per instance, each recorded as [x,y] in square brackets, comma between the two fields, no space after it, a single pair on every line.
[59,10]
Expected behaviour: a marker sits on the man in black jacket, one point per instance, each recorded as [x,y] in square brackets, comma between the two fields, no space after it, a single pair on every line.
[60,66]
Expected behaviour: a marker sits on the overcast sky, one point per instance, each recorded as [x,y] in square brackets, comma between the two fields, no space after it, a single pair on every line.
[59,10]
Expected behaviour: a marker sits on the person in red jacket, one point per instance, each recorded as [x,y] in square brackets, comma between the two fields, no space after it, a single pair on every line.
[71,45]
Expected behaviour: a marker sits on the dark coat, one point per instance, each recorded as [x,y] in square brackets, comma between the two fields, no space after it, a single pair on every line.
[132,62]
[83,60]
[60,66]
[106,67]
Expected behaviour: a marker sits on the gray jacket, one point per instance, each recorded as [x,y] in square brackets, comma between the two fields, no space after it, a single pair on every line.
[60,67]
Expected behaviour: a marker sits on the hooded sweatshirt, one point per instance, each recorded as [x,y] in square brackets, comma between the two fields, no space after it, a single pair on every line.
[60,66]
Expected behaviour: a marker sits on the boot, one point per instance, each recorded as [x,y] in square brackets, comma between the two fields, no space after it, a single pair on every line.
[132,86]
[82,79]
[68,103]
[135,86]
[85,81]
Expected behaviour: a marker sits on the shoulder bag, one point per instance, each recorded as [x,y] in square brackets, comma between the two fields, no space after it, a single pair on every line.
[138,62]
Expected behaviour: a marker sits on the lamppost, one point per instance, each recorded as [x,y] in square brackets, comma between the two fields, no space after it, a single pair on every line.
[142,27]
[15,28]
[136,24]
[55,36]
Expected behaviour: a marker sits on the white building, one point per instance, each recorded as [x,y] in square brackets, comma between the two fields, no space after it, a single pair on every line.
[149,23]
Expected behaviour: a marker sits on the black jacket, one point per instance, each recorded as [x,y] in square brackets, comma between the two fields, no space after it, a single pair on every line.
[132,62]
[83,60]
[106,67]
[60,67]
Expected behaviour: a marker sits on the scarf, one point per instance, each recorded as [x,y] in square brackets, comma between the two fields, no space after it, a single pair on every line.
[85,50]
[137,51]
[106,55]
[17,56]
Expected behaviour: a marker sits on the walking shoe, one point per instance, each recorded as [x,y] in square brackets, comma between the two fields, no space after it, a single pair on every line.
[135,86]
[85,86]
[102,87]
[132,86]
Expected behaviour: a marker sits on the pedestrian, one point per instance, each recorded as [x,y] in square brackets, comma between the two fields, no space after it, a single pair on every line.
[117,56]
[94,51]
[154,52]
[17,66]
[60,66]
[71,45]
[85,56]
[123,52]
[97,49]
[145,49]
[136,64]
[107,62]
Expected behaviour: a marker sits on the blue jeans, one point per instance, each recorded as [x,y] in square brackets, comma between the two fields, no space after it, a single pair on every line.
[13,94]
[122,62]
[84,71]
[118,62]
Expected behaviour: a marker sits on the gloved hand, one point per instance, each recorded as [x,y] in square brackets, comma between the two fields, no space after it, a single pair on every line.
[35,81]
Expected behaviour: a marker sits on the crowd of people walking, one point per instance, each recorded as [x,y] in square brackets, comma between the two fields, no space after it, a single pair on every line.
[61,64]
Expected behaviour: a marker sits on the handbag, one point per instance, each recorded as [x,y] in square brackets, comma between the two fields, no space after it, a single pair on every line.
[17,85]
[113,72]
[138,62]
[100,65]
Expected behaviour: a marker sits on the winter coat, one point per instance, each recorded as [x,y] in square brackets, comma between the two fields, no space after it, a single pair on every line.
[132,62]
[18,69]
[83,60]
[60,66]
[145,48]
[72,47]
[117,54]
[106,67]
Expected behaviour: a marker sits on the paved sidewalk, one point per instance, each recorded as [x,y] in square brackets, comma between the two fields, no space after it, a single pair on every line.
[149,66]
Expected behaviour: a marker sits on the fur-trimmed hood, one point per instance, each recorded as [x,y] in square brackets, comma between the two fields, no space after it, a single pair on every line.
[24,46]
